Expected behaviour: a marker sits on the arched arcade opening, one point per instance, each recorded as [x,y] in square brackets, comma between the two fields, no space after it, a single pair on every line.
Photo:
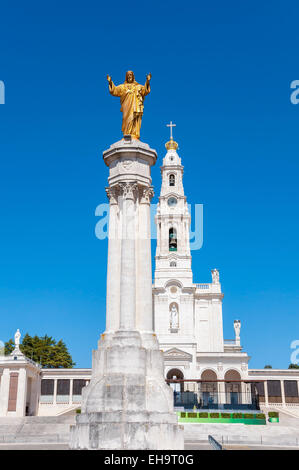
[233,390]
[208,390]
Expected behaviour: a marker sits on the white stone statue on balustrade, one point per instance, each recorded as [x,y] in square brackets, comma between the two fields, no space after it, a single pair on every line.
[17,351]
[174,317]
[215,276]
[237,327]
[17,339]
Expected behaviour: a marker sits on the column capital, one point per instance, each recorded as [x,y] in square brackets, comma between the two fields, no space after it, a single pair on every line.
[112,194]
[128,189]
[146,195]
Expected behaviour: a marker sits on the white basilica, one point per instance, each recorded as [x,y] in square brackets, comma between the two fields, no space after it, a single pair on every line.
[204,370]
[188,316]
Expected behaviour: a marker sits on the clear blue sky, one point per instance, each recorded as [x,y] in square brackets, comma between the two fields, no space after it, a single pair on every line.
[222,72]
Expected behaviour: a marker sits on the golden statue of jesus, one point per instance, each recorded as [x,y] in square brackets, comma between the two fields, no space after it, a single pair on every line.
[131,98]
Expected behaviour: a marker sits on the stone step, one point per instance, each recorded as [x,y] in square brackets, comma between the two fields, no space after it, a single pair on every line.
[34,438]
[36,429]
[38,419]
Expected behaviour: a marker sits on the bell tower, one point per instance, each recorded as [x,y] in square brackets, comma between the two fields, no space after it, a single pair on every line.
[173,258]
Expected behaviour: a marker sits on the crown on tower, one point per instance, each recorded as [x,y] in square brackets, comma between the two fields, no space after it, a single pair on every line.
[171,144]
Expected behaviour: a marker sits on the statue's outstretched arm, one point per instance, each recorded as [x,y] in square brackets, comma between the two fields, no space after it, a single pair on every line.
[114,90]
[147,86]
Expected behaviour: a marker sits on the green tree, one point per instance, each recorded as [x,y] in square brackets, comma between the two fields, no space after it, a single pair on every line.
[267,366]
[9,347]
[294,366]
[44,350]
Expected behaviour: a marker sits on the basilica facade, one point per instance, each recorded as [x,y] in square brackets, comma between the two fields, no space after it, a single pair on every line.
[188,316]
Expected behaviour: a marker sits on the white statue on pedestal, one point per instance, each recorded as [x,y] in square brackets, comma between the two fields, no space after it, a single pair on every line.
[17,339]
[215,276]
[237,327]
[174,317]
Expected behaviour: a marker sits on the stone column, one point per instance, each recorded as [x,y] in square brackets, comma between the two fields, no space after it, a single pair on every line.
[221,392]
[4,392]
[71,392]
[283,400]
[127,404]
[249,397]
[22,391]
[266,393]
[158,224]
[35,394]
[113,272]
[144,267]
[179,235]
[165,239]
[243,393]
[128,266]
[55,392]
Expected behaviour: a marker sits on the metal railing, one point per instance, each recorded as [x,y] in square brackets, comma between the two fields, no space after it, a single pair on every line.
[202,400]
[215,444]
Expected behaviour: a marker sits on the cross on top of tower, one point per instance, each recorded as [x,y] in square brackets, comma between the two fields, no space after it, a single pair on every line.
[171,125]
[171,144]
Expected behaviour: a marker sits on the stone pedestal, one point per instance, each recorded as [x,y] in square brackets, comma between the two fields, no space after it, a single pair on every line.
[127,404]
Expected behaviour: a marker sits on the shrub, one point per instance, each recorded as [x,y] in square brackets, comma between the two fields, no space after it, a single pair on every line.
[214,415]
[78,411]
[192,415]
[260,416]
[273,414]
[203,415]
[183,414]
[237,415]
[225,415]
[248,416]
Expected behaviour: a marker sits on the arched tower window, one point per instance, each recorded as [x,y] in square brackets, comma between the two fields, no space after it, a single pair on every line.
[171,180]
[172,239]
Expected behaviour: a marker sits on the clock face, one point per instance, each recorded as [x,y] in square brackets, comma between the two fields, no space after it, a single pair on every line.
[172,201]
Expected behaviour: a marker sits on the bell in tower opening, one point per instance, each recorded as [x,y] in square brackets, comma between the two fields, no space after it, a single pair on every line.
[172,239]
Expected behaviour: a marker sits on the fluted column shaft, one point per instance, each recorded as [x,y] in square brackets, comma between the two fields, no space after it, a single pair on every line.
[128,267]
[144,264]
[113,269]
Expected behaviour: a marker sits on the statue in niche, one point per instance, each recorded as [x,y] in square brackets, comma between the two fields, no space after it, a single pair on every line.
[174,317]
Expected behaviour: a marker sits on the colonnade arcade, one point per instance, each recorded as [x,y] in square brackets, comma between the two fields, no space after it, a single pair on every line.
[212,392]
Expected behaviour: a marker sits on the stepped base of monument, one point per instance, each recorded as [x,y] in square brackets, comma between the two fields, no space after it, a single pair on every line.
[32,430]
[134,430]
[127,404]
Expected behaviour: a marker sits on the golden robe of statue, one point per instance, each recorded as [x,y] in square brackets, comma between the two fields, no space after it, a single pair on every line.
[131,98]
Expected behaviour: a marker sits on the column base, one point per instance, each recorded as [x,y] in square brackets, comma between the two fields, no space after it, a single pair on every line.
[119,431]
[127,404]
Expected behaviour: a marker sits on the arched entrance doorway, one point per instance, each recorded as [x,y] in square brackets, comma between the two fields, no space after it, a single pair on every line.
[208,394]
[233,388]
[176,374]
[177,387]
